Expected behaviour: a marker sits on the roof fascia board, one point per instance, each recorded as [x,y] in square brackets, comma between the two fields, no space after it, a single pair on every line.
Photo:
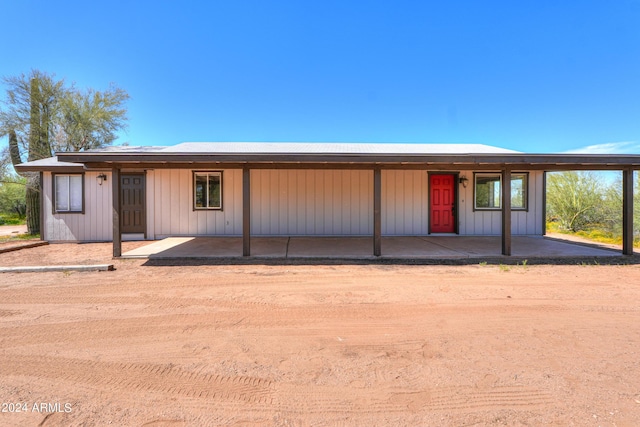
[537,160]
[62,169]
[356,166]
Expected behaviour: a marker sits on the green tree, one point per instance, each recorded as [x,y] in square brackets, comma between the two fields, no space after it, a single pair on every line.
[576,199]
[12,194]
[31,107]
[612,206]
[90,119]
[42,115]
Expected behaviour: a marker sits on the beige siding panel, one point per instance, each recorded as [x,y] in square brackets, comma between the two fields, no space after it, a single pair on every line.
[232,198]
[465,204]
[158,200]
[311,202]
[490,222]
[534,224]
[329,204]
[97,218]
[286,202]
[187,226]
[405,202]
[301,206]
[173,205]
[93,225]
[150,203]
[310,197]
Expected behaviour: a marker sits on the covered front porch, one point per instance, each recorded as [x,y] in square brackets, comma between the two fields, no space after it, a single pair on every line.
[476,248]
[259,199]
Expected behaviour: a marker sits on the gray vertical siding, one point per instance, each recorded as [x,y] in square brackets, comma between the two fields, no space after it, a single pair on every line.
[311,202]
[405,202]
[171,202]
[96,222]
[150,195]
[490,222]
[287,202]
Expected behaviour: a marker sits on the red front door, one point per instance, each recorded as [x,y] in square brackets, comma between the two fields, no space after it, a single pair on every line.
[442,188]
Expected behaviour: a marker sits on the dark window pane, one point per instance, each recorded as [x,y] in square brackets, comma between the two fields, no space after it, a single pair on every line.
[200,191]
[518,191]
[487,191]
[214,191]
[62,192]
[75,193]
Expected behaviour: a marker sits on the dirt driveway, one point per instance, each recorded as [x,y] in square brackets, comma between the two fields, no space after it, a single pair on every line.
[323,345]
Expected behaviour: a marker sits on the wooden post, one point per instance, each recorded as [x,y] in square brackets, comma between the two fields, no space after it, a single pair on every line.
[627,211]
[506,211]
[246,211]
[377,212]
[43,230]
[115,196]
[544,203]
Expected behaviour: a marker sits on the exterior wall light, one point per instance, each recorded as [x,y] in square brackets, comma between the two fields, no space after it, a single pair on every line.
[463,180]
[101,178]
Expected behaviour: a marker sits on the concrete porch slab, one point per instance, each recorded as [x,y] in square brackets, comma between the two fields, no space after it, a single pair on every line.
[189,247]
[420,247]
[521,246]
[330,247]
[209,247]
[542,247]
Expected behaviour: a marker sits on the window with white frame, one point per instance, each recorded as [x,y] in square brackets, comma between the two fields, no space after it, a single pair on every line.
[207,190]
[488,192]
[68,191]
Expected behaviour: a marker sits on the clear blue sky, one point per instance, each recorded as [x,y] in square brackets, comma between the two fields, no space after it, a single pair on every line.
[535,76]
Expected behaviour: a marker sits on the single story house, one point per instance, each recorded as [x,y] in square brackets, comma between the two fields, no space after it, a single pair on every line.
[305,189]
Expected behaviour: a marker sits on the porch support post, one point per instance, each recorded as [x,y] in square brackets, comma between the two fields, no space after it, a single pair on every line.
[115,198]
[544,203]
[246,211]
[377,212]
[506,211]
[43,231]
[627,211]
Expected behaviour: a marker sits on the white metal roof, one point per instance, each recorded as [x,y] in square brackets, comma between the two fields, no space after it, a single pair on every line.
[303,154]
[280,148]
[331,148]
[51,162]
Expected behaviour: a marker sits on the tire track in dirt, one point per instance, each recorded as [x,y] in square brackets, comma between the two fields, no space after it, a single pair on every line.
[495,397]
[9,313]
[368,314]
[437,399]
[92,330]
[262,393]
[236,316]
[164,303]
[167,379]
[224,302]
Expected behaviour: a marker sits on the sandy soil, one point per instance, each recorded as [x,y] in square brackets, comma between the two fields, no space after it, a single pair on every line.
[324,345]
[8,230]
